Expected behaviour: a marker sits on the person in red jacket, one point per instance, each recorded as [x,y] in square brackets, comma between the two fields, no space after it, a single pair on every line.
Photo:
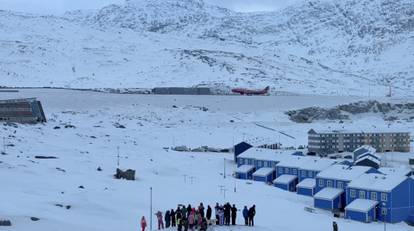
[143,223]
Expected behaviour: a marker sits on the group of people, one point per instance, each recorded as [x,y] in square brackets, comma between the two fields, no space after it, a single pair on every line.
[199,218]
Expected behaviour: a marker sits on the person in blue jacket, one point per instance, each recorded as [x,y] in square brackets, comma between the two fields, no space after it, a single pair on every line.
[246,216]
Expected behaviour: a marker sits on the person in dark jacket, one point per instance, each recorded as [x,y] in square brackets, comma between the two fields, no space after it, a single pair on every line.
[246,216]
[188,210]
[227,213]
[252,213]
[167,219]
[178,215]
[184,212]
[201,210]
[172,218]
[233,214]
[334,226]
[208,214]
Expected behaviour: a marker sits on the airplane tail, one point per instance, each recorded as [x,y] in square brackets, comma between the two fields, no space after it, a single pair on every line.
[267,89]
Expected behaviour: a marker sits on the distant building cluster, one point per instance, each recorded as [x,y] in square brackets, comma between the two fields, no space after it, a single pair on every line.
[360,190]
[181,91]
[22,111]
[328,142]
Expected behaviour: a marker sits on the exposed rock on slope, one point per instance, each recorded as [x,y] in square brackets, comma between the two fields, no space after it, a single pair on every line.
[342,112]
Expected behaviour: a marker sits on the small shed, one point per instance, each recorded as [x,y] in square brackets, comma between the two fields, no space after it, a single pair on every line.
[286,182]
[329,199]
[306,187]
[361,210]
[264,174]
[244,172]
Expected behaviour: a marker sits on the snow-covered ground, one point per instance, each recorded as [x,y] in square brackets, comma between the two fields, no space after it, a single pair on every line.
[32,187]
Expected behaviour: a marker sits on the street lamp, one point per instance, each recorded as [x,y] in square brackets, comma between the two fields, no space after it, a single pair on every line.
[150,208]
[224,169]
[384,206]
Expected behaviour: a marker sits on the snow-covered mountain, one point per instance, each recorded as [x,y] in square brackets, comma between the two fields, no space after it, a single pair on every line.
[330,47]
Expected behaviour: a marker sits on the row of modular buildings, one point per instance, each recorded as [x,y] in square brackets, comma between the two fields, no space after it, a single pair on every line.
[363,193]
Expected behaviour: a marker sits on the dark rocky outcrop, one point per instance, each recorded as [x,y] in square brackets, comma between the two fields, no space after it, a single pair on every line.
[5,223]
[388,111]
[45,157]
[127,175]
[34,219]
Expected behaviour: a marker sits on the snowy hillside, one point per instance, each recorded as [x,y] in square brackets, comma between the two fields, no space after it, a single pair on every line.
[328,47]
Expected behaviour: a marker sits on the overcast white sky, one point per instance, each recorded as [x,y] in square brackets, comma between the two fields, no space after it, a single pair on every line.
[61,6]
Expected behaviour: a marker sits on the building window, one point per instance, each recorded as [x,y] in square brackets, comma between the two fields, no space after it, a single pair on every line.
[383,197]
[328,183]
[294,171]
[286,170]
[303,173]
[340,184]
[280,170]
[373,196]
[320,183]
[352,193]
[362,194]
[310,174]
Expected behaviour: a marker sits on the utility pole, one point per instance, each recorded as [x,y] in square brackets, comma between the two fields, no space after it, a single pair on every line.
[235,190]
[221,188]
[4,145]
[150,208]
[384,216]
[117,156]
[224,169]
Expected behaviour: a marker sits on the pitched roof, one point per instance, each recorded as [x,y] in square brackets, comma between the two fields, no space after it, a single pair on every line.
[263,172]
[266,154]
[244,169]
[340,131]
[307,183]
[328,193]
[285,179]
[361,205]
[343,172]
[404,171]
[317,164]
[294,161]
[377,182]
[364,149]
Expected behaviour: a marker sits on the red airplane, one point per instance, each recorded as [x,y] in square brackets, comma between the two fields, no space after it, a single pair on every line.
[244,91]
